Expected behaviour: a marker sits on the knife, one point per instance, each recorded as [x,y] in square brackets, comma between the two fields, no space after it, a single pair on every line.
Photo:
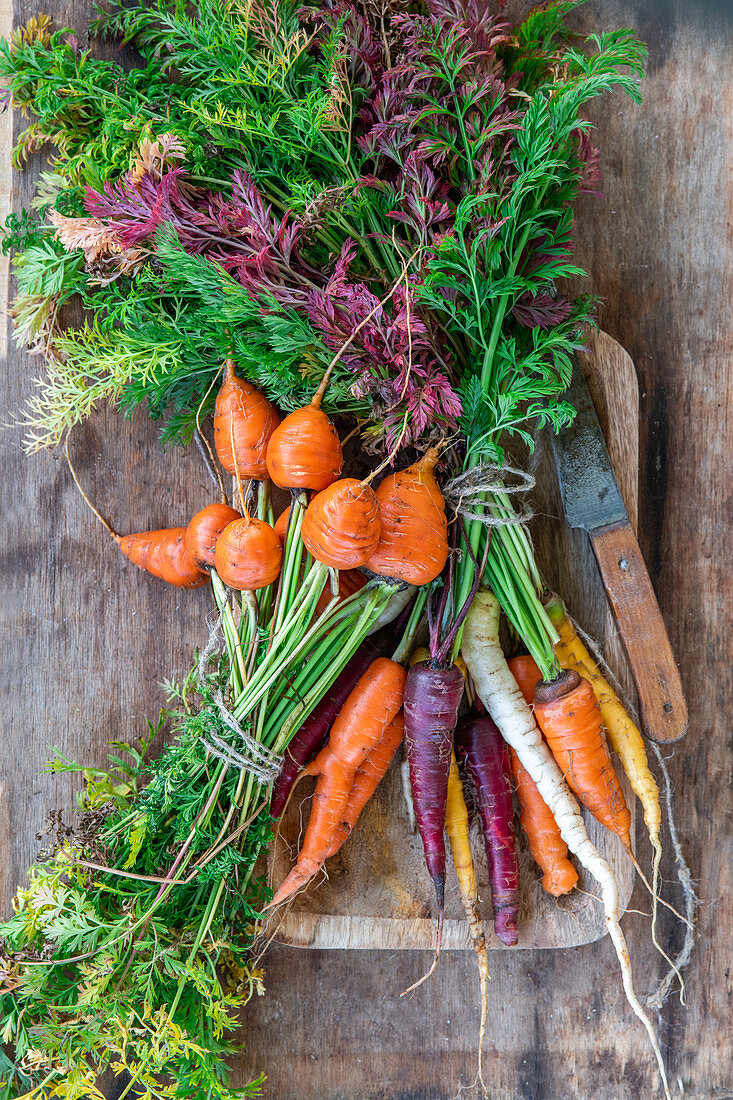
[592,501]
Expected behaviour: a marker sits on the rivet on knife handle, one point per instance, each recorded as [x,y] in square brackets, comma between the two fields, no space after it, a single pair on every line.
[635,608]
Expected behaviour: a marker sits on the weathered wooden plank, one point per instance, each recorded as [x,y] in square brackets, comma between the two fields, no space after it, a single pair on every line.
[79,667]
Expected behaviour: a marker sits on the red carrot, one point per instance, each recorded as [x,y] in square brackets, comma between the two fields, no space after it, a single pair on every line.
[483,752]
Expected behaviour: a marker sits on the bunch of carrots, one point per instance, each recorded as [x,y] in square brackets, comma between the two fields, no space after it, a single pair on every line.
[544,738]
[365,617]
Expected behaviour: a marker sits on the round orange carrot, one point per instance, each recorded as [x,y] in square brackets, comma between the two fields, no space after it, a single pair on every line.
[304,452]
[203,531]
[248,554]
[341,525]
[413,544]
[244,420]
[568,714]
[368,778]
[164,554]
[360,725]
[281,524]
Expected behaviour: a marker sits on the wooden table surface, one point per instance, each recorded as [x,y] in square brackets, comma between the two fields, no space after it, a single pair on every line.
[86,641]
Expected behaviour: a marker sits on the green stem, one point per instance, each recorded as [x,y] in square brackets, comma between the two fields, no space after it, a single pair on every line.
[406,645]
[488,364]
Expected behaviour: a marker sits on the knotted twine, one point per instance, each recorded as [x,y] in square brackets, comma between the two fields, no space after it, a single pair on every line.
[256,758]
[465,493]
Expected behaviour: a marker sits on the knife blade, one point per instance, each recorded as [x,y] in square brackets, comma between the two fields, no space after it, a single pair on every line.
[592,501]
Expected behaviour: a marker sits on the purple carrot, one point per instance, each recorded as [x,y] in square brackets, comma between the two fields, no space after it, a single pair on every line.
[485,757]
[312,735]
[432,698]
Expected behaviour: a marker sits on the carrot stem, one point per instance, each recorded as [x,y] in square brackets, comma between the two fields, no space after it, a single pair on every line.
[406,645]
[318,396]
[84,497]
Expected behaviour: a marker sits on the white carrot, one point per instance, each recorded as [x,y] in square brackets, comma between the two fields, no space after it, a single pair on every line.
[501,696]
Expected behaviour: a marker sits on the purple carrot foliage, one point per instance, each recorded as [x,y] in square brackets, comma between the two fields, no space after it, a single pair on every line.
[432,698]
[416,76]
[238,231]
[394,357]
[312,735]
[485,759]
[590,158]
[541,310]
[391,354]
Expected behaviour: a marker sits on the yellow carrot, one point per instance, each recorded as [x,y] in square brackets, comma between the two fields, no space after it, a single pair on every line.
[456,827]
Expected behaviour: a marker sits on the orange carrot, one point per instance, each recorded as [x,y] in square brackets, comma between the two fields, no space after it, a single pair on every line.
[368,778]
[526,672]
[281,524]
[350,582]
[341,525]
[244,420]
[568,714]
[304,452]
[203,531]
[549,850]
[164,554]
[361,723]
[413,545]
[248,554]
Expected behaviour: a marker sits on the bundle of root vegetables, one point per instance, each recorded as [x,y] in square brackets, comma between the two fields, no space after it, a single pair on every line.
[367,232]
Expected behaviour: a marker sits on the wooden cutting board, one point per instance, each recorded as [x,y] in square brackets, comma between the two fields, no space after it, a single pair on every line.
[375,893]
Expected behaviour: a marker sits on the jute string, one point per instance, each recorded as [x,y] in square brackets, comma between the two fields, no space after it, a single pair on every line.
[263,763]
[465,493]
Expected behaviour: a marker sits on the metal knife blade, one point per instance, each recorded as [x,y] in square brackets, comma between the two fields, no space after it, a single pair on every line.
[592,501]
[590,492]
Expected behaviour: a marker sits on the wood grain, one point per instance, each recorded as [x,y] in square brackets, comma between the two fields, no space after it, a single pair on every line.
[657,246]
[85,642]
[377,893]
[630,593]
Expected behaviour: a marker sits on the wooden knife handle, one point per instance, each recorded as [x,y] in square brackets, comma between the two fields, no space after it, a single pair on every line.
[635,608]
